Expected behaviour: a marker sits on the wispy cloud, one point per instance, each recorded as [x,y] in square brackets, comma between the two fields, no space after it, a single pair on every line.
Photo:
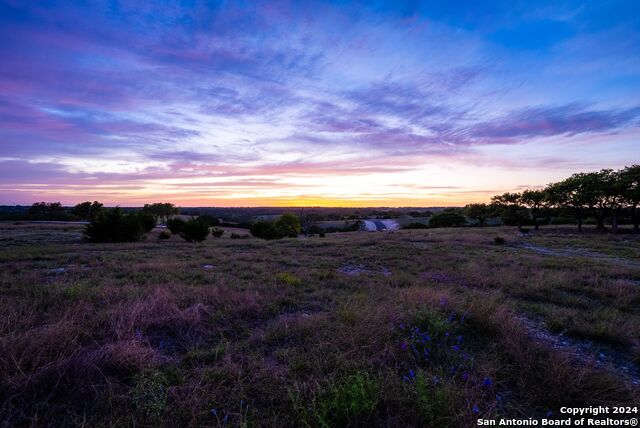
[276,99]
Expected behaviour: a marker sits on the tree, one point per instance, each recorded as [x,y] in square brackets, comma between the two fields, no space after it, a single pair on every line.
[264,230]
[288,225]
[535,201]
[569,194]
[147,221]
[175,224]
[47,211]
[447,219]
[508,207]
[115,226]
[161,211]
[478,212]
[87,210]
[194,231]
[209,219]
[629,179]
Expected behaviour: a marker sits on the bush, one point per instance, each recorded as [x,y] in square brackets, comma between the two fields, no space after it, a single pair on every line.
[194,231]
[115,226]
[164,235]
[217,232]
[264,229]
[416,226]
[446,219]
[147,221]
[175,224]
[288,225]
[209,220]
[238,236]
[498,240]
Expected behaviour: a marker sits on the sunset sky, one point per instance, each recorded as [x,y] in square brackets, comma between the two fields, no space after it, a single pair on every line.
[369,103]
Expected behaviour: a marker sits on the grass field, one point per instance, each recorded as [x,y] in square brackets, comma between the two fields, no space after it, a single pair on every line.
[407,328]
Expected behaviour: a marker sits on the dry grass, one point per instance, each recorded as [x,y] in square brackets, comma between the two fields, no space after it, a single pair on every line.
[253,333]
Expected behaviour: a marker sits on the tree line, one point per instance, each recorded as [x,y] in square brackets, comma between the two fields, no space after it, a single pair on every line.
[605,196]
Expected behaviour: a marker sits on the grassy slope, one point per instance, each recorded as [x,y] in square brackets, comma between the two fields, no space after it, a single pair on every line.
[273,334]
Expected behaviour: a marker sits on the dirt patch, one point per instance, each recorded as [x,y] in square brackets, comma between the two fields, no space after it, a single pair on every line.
[358,269]
[577,252]
[585,351]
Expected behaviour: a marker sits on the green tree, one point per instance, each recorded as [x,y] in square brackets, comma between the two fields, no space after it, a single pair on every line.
[175,224]
[161,211]
[115,226]
[194,231]
[288,225]
[478,212]
[47,211]
[629,179]
[446,219]
[87,210]
[508,207]
[535,201]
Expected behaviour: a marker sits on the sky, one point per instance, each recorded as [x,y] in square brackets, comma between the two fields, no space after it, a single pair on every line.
[332,103]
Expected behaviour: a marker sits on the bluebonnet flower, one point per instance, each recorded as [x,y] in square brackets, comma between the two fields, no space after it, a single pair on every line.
[459,339]
[498,397]
[404,346]
[443,301]
[487,382]
[455,348]
[401,326]
[412,374]
[465,376]
[549,413]
[224,420]
[451,317]
[446,334]
[475,409]
[241,403]
[214,412]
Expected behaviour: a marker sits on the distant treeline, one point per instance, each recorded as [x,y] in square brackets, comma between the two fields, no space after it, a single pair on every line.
[603,197]
[606,197]
[85,211]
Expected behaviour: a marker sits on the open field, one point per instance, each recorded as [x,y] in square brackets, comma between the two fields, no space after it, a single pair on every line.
[405,328]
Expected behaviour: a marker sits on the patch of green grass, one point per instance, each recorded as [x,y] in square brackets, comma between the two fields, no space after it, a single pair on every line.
[347,401]
[289,279]
[436,403]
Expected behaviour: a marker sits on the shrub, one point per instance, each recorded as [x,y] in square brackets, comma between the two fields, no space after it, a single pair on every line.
[265,230]
[447,219]
[238,236]
[194,231]
[498,240]
[288,225]
[209,220]
[147,221]
[175,224]
[416,226]
[115,226]
[216,232]
[164,235]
